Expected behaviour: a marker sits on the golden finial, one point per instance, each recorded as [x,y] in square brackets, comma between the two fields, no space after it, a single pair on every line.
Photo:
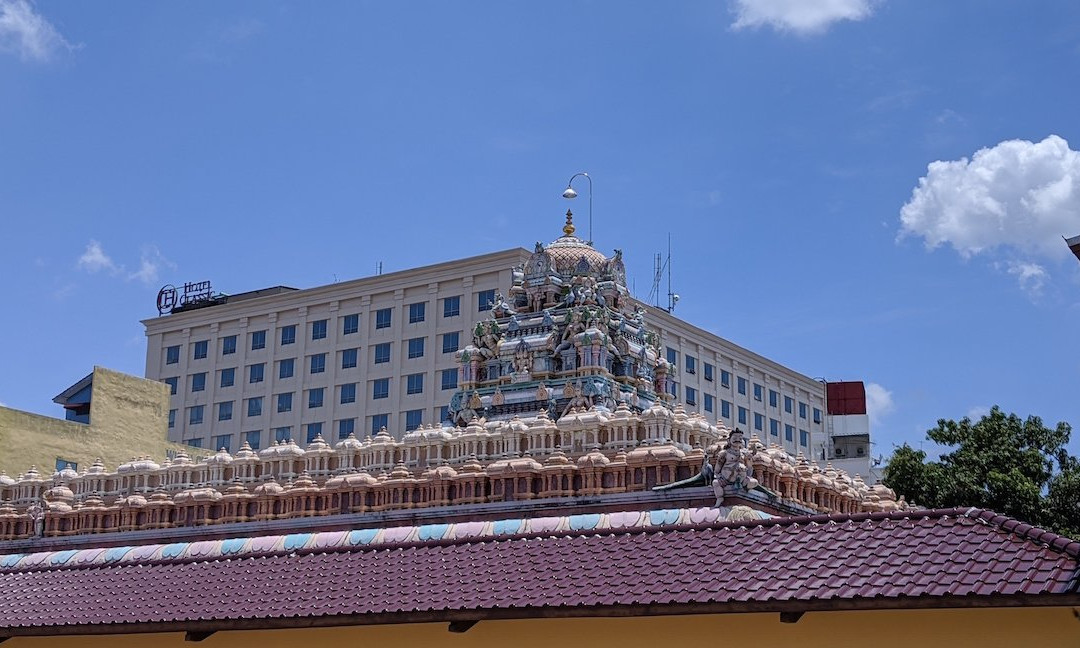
[568,229]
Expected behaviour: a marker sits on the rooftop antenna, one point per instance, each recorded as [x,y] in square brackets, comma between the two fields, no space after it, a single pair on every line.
[660,266]
[378,268]
[671,296]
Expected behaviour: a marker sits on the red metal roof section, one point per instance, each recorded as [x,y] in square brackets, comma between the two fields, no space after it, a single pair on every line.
[844,398]
[901,559]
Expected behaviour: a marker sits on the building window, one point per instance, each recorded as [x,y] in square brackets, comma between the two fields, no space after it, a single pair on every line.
[198,381]
[802,410]
[200,349]
[348,393]
[673,388]
[789,433]
[172,355]
[741,385]
[708,372]
[673,357]
[451,306]
[414,383]
[255,373]
[774,398]
[194,443]
[416,347]
[282,434]
[789,403]
[348,358]
[382,318]
[774,427]
[691,364]
[725,409]
[382,353]
[223,442]
[451,341]
[172,383]
[195,415]
[286,368]
[315,397]
[345,428]
[759,422]
[318,363]
[228,345]
[817,415]
[224,411]
[350,324]
[254,406]
[417,312]
[288,334]
[318,329]
[742,415]
[380,388]
[253,439]
[709,406]
[378,422]
[691,396]
[414,419]
[804,438]
[725,378]
[448,378]
[758,391]
[258,340]
[444,414]
[313,430]
[172,418]
[228,377]
[284,403]
[485,299]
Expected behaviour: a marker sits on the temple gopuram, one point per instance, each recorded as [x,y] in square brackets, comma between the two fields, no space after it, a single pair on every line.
[570,497]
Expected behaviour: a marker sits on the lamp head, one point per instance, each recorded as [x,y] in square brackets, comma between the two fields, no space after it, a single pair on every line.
[569,193]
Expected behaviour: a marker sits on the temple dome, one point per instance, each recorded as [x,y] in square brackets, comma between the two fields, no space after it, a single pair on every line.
[571,255]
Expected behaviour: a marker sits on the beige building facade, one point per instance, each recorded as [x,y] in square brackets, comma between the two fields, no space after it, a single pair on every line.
[124,416]
[354,356]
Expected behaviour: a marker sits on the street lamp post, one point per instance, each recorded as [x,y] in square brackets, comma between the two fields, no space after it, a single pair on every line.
[570,193]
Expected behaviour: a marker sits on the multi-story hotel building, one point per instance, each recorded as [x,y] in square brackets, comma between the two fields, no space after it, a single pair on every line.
[355,356]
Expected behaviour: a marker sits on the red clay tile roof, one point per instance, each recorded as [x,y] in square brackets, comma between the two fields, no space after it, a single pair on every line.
[951,557]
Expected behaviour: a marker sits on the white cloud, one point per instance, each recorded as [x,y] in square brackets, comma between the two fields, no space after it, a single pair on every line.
[1016,199]
[1031,276]
[150,262]
[977,412]
[879,402]
[95,259]
[26,33]
[800,16]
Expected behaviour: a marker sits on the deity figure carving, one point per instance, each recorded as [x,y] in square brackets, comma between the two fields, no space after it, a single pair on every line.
[522,361]
[486,338]
[731,470]
[497,398]
[500,307]
[726,469]
[542,393]
[37,517]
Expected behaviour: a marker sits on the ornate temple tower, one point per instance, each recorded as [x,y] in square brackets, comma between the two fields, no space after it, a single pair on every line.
[567,337]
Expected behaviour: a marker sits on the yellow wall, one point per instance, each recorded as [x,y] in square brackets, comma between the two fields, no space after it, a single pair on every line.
[1006,627]
[129,416]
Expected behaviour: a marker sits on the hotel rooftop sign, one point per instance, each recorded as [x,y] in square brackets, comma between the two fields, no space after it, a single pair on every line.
[193,294]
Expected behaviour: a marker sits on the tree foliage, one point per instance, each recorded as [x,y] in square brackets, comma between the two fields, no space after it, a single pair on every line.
[1019,468]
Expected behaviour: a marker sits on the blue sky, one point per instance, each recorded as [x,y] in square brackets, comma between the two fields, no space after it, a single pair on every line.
[861,190]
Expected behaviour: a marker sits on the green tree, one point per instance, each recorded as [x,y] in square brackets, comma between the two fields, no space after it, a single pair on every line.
[1019,468]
